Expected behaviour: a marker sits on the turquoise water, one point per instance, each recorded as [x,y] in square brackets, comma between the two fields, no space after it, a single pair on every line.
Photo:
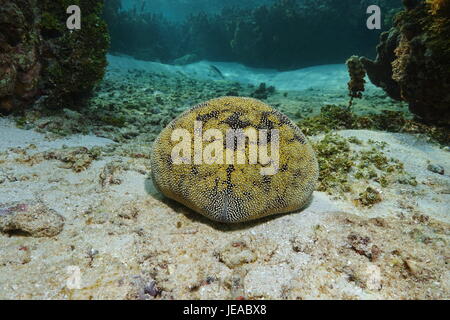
[94,206]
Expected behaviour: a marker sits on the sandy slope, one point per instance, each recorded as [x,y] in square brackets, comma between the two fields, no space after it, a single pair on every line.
[332,77]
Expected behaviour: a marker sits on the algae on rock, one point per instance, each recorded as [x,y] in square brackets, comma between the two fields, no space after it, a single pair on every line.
[413,60]
[40,57]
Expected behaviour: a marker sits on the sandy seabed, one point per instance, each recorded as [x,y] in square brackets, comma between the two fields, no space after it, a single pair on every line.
[93,227]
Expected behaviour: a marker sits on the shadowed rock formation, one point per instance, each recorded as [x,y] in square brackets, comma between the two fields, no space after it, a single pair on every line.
[413,62]
[40,57]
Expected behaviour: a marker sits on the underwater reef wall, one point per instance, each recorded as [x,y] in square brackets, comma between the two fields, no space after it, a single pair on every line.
[40,57]
[284,34]
[141,34]
[413,62]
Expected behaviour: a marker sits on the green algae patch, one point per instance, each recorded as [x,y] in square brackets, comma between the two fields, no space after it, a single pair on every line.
[369,197]
[74,62]
[334,117]
[346,163]
[335,163]
[330,118]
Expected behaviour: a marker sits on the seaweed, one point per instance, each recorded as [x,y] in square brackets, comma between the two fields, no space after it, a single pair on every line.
[342,166]
[413,60]
[74,62]
[357,74]
[369,197]
[334,117]
[42,58]
[335,163]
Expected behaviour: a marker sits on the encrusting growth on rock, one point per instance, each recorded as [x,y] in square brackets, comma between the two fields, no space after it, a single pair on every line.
[42,60]
[357,74]
[413,60]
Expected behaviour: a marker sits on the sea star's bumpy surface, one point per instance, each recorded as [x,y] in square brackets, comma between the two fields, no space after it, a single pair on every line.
[237,192]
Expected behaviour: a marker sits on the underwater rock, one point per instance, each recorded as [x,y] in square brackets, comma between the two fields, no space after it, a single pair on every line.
[39,56]
[413,60]
[33,219]
[220,190]
[236,254]
[357,74]
[19,50]
[380,70]
[436,168]
[73,61]
[263,92]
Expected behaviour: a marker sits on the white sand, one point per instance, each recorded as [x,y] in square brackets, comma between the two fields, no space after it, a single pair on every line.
[12,137]
[123,236]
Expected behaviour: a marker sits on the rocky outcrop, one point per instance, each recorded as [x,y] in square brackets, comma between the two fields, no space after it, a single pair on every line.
[30,219]
[40,57]
[20,68]
[357,74]
[413,60]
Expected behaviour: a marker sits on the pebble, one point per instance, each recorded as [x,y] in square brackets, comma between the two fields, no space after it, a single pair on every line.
[237,253]
[92,252]
[436,168]
[151,289]
[32,219]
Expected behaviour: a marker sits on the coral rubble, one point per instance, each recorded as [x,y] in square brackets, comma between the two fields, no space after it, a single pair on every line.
[33,219]
[339,118]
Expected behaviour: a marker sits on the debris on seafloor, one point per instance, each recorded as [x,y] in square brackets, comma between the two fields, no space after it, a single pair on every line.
[31,219]
[436,168]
